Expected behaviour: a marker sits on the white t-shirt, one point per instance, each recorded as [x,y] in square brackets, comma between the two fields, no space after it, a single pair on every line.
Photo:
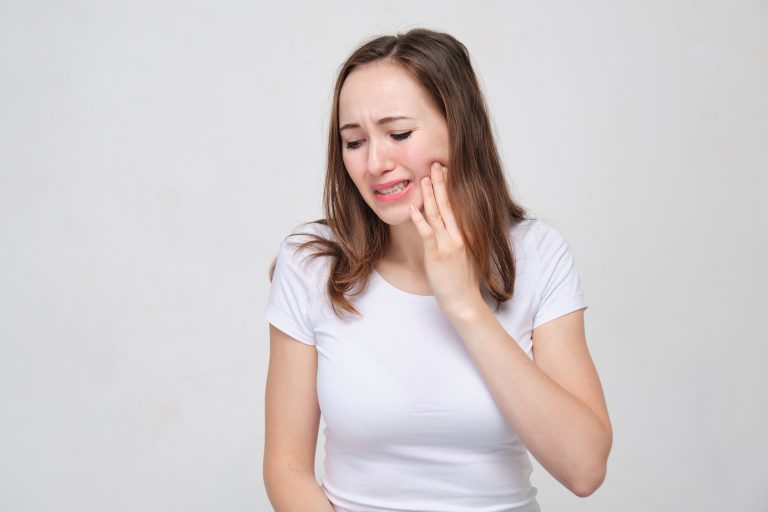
[410,424]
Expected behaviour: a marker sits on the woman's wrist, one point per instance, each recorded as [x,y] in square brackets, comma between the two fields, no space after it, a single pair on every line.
[468,311]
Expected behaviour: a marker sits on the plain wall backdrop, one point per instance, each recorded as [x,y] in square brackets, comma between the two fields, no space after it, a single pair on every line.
[154,154]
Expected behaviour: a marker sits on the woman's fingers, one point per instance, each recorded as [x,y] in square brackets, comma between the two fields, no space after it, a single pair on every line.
[424,229]
[438,222]
[431,211]
[444,209]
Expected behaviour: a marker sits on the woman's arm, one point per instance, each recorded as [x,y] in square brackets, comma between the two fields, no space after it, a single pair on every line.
[555,404]
[292,422]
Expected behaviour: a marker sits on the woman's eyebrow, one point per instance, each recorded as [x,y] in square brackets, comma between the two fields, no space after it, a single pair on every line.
[383,120]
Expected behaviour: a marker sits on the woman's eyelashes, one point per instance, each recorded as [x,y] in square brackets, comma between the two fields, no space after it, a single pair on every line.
[397,136]
[401,136]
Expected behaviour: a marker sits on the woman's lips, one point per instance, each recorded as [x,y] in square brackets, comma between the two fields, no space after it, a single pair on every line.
[389,184]
[397,195]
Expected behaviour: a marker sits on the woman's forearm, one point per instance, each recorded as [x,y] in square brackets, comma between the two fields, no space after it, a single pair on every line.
[564,435]
[289,491]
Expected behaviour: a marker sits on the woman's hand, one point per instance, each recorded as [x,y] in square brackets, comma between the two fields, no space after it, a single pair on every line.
[451,270]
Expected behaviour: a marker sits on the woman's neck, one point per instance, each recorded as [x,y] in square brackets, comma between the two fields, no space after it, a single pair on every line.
[406,247]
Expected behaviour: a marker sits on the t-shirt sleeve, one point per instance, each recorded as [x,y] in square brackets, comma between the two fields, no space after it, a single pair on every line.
[559,286]
[289,304]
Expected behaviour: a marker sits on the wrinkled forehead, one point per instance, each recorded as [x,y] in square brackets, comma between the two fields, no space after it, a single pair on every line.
[379,89]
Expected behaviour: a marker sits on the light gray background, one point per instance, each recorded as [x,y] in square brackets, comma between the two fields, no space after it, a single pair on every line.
[154,154]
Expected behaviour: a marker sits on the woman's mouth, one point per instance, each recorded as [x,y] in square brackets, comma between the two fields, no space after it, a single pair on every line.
[395,192]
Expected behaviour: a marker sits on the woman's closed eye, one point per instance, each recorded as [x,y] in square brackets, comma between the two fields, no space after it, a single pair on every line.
[397,136]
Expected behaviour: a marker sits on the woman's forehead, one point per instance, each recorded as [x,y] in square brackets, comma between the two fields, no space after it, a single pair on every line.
[379,90]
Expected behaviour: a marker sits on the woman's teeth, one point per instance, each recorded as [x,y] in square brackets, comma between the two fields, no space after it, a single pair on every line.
[397,188]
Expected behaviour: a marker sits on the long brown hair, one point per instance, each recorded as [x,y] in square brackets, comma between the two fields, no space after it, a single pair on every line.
[441,64]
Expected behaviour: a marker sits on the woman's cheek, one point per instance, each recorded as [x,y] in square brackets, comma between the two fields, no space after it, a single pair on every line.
[418,161]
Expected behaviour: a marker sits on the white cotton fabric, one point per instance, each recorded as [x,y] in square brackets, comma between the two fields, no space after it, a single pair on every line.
[410,425]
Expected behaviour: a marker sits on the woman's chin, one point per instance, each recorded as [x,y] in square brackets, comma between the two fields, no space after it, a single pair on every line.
[400,215]
[398,220]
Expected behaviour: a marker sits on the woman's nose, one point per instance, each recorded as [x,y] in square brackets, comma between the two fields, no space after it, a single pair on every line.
[379,160]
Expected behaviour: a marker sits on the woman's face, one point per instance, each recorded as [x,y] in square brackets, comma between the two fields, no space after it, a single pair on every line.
[390,133]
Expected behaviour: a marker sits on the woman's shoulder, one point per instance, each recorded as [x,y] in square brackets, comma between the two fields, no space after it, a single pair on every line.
[303,247]
[311,230]
[535,235]
[521,228]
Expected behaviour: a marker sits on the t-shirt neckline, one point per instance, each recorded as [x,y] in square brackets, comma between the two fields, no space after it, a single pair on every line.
[402,294]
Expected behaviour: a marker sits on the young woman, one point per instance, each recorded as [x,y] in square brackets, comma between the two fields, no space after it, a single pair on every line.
[438,330]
